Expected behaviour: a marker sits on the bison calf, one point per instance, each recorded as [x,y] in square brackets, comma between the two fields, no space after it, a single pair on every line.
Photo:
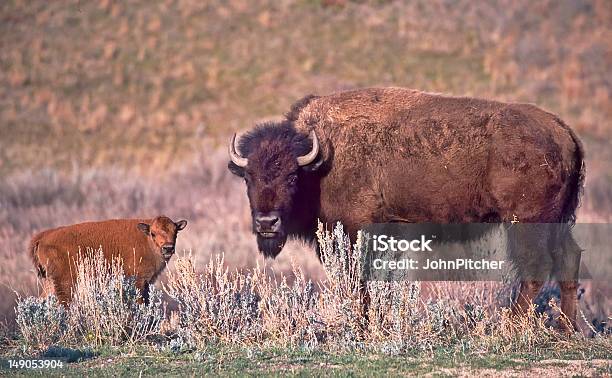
[144,246]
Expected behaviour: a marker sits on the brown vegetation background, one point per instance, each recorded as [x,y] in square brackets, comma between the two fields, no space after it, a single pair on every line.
[121,109]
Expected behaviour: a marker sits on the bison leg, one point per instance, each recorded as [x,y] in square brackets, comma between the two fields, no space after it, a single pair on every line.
[58,273]
[366,301]
[567,265]
[526,244]
[47,287]
[145,293]
[143,288]
[568,305]
[63,291]
[529,291]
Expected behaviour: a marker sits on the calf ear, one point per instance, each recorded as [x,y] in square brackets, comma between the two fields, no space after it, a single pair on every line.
[145,228]
[238,171]
[180,224]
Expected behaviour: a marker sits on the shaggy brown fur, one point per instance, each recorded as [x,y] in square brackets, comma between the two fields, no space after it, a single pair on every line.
[400,155]
[143,245]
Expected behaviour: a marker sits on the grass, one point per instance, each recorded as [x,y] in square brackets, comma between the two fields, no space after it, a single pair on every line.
[145,82]
[299,362]
[105,310]
[203,191]
[229,321]
[289,315]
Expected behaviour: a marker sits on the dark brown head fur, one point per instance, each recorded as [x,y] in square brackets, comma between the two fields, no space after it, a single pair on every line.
[277,187]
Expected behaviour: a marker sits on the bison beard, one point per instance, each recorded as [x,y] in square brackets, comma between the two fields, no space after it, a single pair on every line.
[271,247]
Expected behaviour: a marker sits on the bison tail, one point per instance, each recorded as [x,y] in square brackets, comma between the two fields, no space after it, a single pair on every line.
[33,249]
[576,183]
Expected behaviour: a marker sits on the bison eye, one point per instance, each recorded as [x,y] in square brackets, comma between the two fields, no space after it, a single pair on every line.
[152,234]
[291,179]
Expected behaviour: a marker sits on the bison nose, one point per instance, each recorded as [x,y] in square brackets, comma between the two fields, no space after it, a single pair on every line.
[168,248]
[267,222]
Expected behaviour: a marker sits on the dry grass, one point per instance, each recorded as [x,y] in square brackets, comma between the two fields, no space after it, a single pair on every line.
[229,307]
[144,82]
[105,310]
[204,192]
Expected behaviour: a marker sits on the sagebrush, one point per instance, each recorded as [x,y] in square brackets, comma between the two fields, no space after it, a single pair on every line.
[253,307]
[106,309]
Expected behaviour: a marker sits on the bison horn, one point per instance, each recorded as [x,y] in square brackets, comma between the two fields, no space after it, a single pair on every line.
[236,158]
[309,158]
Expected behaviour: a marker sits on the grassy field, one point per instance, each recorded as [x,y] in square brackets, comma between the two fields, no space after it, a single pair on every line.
[112,109]
[248,321]
[295,362]
[139,85]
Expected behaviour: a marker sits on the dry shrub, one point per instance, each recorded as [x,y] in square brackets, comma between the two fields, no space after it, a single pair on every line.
[254,307]
[242,307]
[394,313]
[214,306]
[342,292]
[401,319]
[42,321]
[290,312]
[106,309]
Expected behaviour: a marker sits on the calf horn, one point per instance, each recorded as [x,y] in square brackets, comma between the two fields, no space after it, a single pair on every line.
[309,158]
[236,159]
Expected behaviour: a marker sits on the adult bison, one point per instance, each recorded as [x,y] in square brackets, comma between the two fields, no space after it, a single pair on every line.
[144,246]
[398,155]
